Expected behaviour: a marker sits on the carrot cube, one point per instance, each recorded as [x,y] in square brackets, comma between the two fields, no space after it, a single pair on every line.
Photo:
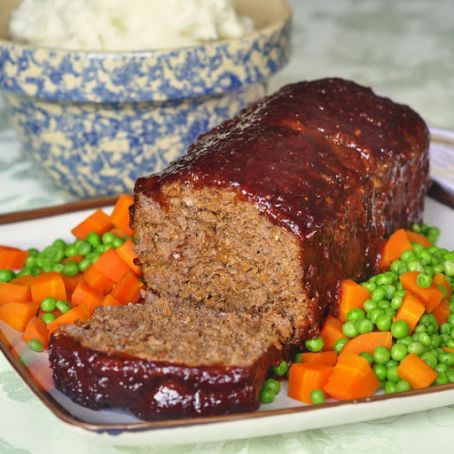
[98,222]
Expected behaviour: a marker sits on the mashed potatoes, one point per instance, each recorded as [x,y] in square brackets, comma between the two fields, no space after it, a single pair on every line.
[125,24]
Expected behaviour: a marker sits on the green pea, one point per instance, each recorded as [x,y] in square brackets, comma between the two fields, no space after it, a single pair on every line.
[281,369]
[371,286]
[395,266]
[117,242]
[355,314]
[93,239]
[298,357]
[390,290]
[425,258]
[408,256]
[451,306]
[71,268]
[349,329]
[448,266]
[450,375]
[83,248]
[392,375]
[424,280]
[447,358]
[390,387]
[47,267]
[272,385]
[59,243]
[367,356]
[414,265]
[48,304]
[391,312]
[381,355]
[32,252]
[430,359]
[84,264]
[318,396]
[418,248]
[383,322]
[369,305]
[380,371]
[441,368]
[383,305]
[374,314]
[445,328]
[378,294]
[450,343]
[436,341]
[396,302]
[398,352]
[314,345]
[443,291]
[438,268]
[400,329]
[30,262]
[402,386]
[424,339]
[420,329]
[339,344]
[407,340]
[384,280]
[432,234]
[71,251]
[107,238]
[364,326]
[58,268]
[35,271]
[417,228]
[442,379]
[6,275]
[63,306]
[451,319]
[48,317]
[266,396]
[35,345]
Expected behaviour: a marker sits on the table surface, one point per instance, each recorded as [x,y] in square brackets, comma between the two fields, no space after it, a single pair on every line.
[403,49]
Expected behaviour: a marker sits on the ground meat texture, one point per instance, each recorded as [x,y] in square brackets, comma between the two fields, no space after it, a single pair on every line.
[269,211]
[243,243]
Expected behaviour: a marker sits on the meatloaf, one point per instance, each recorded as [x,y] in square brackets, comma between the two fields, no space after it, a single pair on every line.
[243,242]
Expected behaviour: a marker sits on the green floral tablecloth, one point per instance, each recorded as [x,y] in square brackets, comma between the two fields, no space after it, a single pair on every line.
[404,49]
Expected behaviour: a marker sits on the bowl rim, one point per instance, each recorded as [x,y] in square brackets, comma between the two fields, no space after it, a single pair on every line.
[9,44]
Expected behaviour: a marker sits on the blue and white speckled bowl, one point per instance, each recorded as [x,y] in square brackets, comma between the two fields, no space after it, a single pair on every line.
[96,121]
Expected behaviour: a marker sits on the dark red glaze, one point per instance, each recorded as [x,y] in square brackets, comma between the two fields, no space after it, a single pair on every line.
[153,390]
[329,160]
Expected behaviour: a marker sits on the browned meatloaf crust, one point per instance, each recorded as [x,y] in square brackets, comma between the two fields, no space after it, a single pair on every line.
[252,230]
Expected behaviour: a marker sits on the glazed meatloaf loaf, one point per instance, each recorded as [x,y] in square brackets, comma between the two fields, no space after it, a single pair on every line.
[243,243]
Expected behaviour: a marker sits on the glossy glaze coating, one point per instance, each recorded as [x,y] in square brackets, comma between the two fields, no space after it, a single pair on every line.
[332,162]
[153,390]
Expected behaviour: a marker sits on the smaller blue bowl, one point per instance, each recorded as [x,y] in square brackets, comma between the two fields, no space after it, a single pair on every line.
[95,122]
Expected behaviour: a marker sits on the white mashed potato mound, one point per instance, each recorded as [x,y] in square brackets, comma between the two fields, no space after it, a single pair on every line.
[120,25]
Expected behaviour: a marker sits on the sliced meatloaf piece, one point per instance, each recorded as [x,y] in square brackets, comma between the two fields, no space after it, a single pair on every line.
[243,243]
[164,361]
[269,211]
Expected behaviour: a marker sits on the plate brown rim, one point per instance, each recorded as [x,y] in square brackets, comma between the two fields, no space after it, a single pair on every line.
[436,192]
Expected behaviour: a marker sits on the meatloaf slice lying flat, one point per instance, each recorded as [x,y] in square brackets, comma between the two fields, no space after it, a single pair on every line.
[164,361]
[243,243]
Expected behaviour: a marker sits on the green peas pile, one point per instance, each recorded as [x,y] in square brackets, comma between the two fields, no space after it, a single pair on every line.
[269,390]
[51,257]
[49,305]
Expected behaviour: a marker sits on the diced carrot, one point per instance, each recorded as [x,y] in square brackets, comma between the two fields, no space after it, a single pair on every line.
[331,332]
[368,342]
[118,232]
[352,296]
[440,280]
[36,329]
[411,310]
[352,378]
[48,285]
[431,297]
[86,296]
[13,293]
[306,377]
[120,214]
[396,244]
[98,222]
[416,372]
[418,238]
[98,280]
[78,313]
[127,252]
[23,280]
[327,358]
[441,312]
[12,258]
[127,289]
[17,315]
[112,265]
[447,349]
[109,300]
[71,282]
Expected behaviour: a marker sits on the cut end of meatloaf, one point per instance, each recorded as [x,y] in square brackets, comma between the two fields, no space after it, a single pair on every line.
[206,247]
[179,334]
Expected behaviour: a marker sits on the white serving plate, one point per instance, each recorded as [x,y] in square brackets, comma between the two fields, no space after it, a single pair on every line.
[284,415]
